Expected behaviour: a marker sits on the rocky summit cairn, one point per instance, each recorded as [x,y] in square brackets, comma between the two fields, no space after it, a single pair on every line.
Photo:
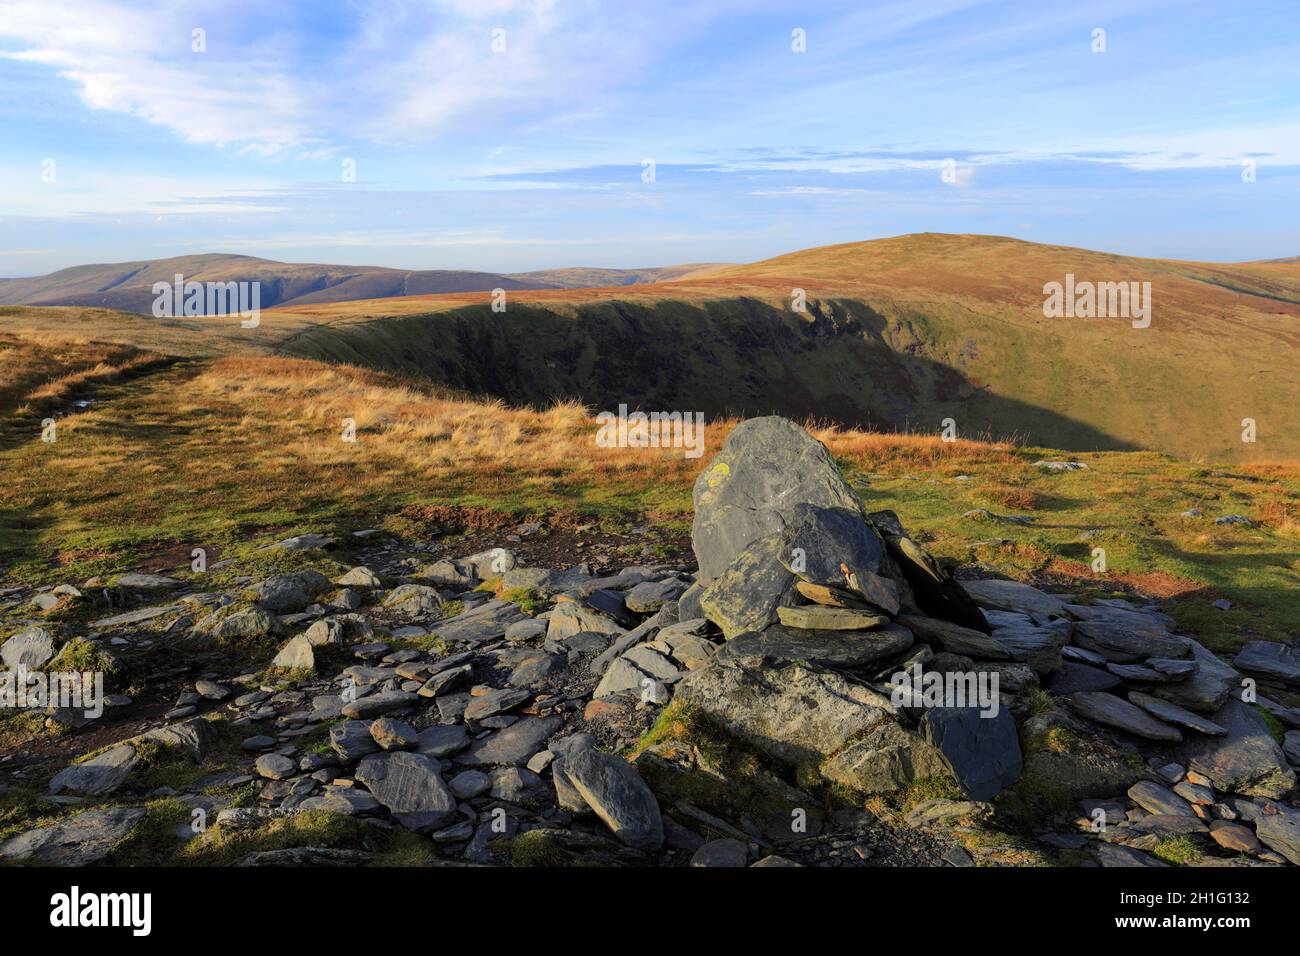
[809,592]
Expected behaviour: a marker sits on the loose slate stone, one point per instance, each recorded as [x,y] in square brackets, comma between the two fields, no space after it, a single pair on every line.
[495,702]
[1014,596]
[1269,659]
[1039,647]
[1247,761]
[766,467]
[80,840]
[817,617]
[831,597]
[1153,798]
[1234,836]
[649,596]
[513,745]
[1206,690]
[101,774]
[846,649]
[1278,828]
[818,543]
[1115,854]
[487,622]
[1125,636]
[410,786]
[442,740]
[747,593]
[351,740]
[378,704]
[30,648]
[393,734]
[1115,712]
[297,654]
[789,711]
[885,759]
[345,801]
[275,767]
[954,638]
[722,853]
[617,794]
[1070,678]
[1173,714]
[983,751]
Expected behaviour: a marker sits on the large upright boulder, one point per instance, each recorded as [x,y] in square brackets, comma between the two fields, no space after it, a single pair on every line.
[766,468]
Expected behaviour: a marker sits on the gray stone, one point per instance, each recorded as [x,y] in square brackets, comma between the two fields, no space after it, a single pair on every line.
[884,759]
[983,752]
[1269,659]
[1208,688]
[415,600]
[469,784]
[210,690]
[1039,647]
[378,704]
[1070,678]
[817,617]
[514,784]
[789,711]
[615,792]
[393,734]
[351,740]
[745,595]
[513,745]
[410,786]
[478,625]
[275,767]
[359,577]
[1115,712]
[1173,714]
[99,775]
[1247,761]
[1278,828]
[1234,836]
[533,670]
[1154,798]
[442,740]
[297,654]
[954,638]
[287,593]
[1115,854]
[495,702]
[766,467]
[724,852]
[819,544]
[846,649]
[30,648]
[649,596]
[80,840]
[1014,596]
[344,801]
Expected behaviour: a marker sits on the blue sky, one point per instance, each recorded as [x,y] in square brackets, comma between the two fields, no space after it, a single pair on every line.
[532,157]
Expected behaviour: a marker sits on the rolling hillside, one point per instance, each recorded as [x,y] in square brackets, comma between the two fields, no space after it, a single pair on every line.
[898,334]
[127,286]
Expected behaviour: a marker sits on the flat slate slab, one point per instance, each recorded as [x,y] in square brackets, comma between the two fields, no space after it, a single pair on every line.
[817,617]
[1116,712]
[1269,659]
[1247,761]
[1070,678]
[487,622]
[513,745]
[847,649]
[1173,714]
[77,841]
[138,616]
[1013,596]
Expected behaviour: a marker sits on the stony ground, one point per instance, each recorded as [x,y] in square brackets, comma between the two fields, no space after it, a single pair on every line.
[526,695]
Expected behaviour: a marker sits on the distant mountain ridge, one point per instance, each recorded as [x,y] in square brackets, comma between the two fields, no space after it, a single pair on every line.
[128,286]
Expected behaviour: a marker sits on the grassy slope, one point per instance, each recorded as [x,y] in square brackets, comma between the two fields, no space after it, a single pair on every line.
[209,454]
[946,325]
